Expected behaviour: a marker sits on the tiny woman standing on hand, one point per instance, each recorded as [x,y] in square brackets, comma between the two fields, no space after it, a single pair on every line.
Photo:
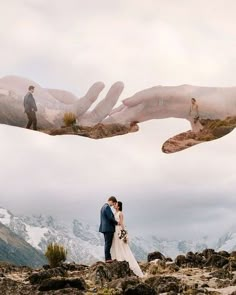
[194,116]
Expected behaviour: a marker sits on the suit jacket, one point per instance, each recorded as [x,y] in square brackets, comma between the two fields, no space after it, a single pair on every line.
[29,103]
[108,222]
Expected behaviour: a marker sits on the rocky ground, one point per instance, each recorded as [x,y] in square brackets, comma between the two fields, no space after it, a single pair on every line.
[212,129]
[97,131]
[208,272]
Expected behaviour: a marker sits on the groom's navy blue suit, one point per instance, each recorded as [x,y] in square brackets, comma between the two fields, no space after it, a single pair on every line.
[107,227]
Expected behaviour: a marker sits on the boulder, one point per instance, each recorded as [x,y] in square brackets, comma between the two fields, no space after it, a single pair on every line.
[204,285]
[222,274]
[207,253]
[38,277]
[52,284]
[155,255]
[101,272]
[124,283]
[163,284]
[224,253]
[190,256]
[61,283]
[140,289]
[181,261]
[192,259]
[216,260]
[200,259]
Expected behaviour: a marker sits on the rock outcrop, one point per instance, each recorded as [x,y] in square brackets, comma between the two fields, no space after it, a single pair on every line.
[97,131]
[212,129]
[210,275]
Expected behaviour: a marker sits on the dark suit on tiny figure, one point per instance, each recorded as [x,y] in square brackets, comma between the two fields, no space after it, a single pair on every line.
[107,226]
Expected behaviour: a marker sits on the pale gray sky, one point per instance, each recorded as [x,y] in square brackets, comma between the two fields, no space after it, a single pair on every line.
[70,45]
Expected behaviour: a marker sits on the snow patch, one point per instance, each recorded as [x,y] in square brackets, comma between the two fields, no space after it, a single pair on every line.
[5,216]
[35,235]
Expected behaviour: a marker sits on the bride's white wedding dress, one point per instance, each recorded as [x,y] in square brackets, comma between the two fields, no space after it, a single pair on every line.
[121,250]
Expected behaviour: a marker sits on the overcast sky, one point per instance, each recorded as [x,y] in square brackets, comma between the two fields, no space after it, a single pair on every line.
[70,45]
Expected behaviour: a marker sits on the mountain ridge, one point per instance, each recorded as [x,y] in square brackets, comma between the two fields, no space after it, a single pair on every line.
[85,244]
[14,249]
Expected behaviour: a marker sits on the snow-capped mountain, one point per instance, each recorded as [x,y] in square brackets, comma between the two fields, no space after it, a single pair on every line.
[227,241]
[85,244]
[14,249]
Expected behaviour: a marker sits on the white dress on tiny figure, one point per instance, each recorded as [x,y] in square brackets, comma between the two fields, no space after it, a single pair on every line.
[122,252]
[194,118]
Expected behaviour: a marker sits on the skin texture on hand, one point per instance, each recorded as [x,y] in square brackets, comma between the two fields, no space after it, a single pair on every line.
[103,108]
[216,107]
[215,116]
[174,101]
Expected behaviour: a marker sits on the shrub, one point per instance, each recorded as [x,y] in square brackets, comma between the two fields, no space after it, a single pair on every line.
[55,254]
[69,119]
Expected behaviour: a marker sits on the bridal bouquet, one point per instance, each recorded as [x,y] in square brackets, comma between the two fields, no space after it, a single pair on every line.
[123,235]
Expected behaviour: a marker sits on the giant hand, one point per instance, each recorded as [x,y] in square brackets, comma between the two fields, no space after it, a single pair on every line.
[164,102]
[215,107]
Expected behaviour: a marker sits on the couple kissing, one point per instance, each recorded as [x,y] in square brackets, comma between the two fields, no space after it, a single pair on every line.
[116,239]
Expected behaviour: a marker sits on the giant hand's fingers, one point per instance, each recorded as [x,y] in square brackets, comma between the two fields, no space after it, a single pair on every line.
[142,96]
[84,103]
[103,109]
[126,115]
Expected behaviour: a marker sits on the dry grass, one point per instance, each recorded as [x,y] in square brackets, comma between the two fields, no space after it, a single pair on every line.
[69,119]
[55,254]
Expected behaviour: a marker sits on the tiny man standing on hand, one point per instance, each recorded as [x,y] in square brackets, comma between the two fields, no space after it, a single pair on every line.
[30,108]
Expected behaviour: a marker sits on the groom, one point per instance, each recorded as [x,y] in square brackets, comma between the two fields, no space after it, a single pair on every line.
[30,108]
[107,226]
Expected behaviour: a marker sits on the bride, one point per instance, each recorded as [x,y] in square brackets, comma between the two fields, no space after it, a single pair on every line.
[120,249]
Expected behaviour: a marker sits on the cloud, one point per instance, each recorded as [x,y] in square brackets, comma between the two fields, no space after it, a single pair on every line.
[156,42]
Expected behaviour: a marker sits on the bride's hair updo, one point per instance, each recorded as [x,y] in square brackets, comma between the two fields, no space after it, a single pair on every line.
[120,205]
